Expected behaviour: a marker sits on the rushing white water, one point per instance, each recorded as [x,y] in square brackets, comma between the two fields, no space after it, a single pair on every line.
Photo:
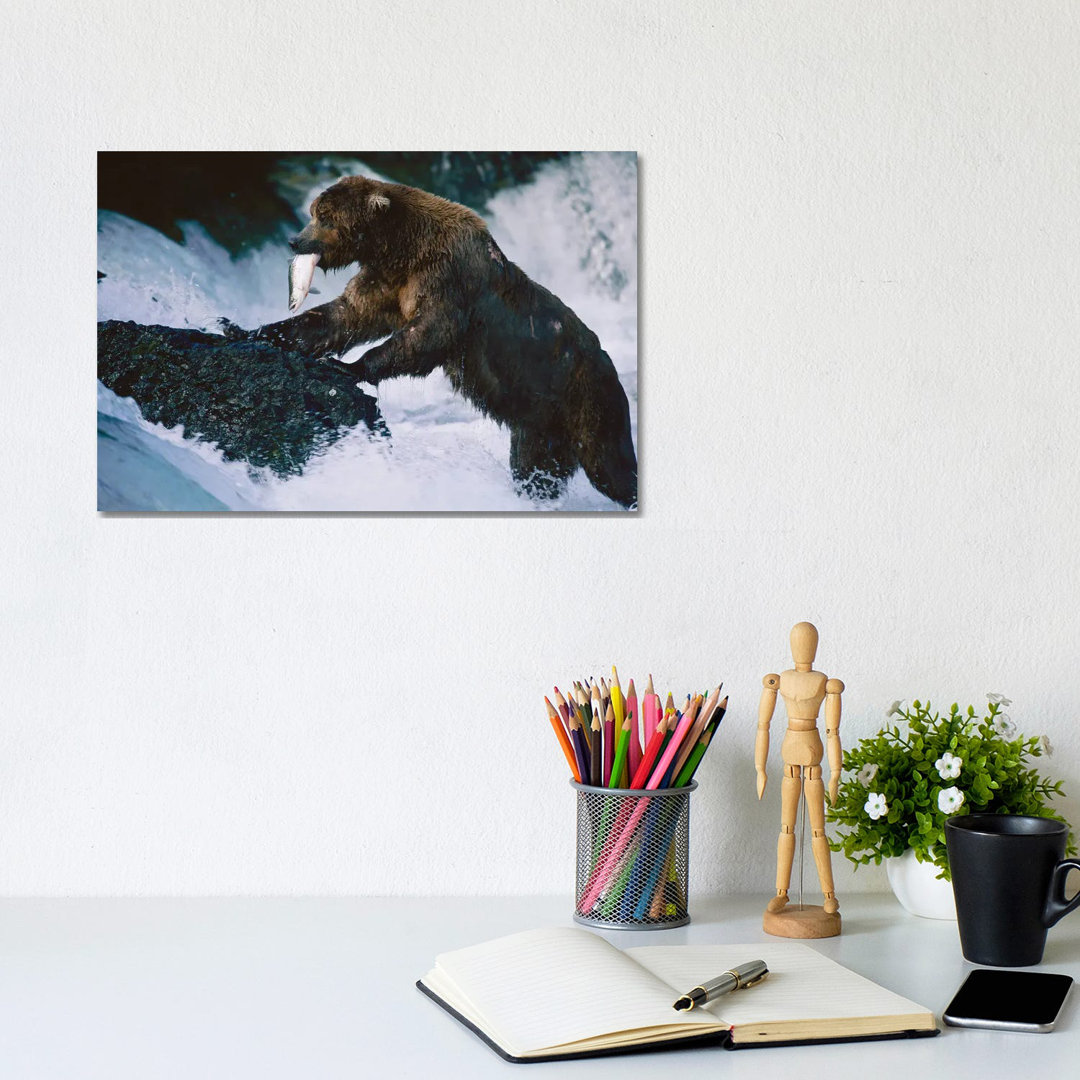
[573,229]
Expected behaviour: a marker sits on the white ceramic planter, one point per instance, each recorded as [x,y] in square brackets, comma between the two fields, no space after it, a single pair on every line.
[918,888]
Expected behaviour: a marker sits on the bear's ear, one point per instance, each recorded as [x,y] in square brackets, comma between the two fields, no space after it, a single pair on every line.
[377,202]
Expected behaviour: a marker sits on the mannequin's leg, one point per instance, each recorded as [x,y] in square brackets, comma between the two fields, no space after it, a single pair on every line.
[815,805]
[790,790]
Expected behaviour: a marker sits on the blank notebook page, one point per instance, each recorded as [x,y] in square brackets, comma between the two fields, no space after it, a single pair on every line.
[577,986]
[802,984]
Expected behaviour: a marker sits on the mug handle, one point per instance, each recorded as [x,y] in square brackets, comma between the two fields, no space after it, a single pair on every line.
[1056,905]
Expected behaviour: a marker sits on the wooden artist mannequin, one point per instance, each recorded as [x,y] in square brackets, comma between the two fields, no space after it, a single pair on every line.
[803,691]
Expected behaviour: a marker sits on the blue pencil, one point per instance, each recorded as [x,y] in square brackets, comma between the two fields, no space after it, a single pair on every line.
[667,835]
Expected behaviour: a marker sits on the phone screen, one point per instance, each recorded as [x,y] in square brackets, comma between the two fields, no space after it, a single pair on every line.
[1016,1000]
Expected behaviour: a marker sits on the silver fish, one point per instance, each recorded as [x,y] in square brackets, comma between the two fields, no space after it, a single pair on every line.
[301,271]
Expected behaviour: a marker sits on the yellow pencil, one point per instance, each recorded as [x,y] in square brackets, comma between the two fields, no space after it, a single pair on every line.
[617,703]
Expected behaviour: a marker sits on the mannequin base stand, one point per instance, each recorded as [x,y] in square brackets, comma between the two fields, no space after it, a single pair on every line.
[801,921]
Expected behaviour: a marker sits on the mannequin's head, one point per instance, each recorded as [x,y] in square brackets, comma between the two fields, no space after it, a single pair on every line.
[804,639]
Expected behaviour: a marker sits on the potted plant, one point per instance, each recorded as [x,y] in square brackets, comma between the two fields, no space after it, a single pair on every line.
[899,787]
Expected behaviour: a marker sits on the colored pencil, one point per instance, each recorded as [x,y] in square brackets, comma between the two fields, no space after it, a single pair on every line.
[689,768]
[596,756]
[617,703]
[614,741]
[564,709]
[578,741]
[658,868]
[689,714]
[622,750]
[645,843]
[694,760]
[651,713]
[581,702]
[704,713]
[648,758]
[601,734]
[602,878]
[609,743]
[670,715]
[609,858]
[672,748]
[564,740]
[584,707]
[598,713]
[656,905]
[634,758]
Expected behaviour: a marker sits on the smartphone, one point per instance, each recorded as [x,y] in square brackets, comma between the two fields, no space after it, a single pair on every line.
[1013,1000]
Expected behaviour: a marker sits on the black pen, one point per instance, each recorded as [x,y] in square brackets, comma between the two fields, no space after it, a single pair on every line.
[738,978]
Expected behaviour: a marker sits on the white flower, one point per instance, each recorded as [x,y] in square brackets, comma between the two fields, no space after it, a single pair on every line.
[895,709]
[876,806]
[1047,748]
[998,699]
[1003,725]
[948,766]
[950,800]
[866,774]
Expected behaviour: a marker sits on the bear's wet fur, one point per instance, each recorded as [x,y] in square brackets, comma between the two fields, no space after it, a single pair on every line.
[433,279]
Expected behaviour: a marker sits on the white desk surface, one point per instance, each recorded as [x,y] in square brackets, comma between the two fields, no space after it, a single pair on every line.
[314,988]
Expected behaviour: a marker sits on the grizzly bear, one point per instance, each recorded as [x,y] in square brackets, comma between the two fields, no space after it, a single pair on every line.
[433,279]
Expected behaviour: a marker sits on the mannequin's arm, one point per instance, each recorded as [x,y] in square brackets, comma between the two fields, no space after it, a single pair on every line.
[833,689]
[770,686]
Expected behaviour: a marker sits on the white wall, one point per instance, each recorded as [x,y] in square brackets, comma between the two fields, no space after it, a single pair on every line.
[859,319]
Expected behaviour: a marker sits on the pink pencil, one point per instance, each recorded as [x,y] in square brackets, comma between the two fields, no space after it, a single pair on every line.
[650,711]
[635,729]
[703,715]
[609,743]
[602,875]
[672,748]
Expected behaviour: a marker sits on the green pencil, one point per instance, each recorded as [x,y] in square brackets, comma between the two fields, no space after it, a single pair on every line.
[694,760]
[622,749]
[691,763]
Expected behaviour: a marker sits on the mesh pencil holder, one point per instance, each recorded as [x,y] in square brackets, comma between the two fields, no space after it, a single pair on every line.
[633,857]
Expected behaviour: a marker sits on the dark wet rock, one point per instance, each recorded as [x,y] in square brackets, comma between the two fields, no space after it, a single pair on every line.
[258,403]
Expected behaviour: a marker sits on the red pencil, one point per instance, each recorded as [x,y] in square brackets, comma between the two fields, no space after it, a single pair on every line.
[648,758]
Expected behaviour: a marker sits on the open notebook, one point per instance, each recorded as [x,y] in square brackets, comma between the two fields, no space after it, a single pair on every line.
[563,992]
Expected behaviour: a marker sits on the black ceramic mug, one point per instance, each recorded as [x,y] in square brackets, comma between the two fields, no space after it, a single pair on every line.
[1008,877]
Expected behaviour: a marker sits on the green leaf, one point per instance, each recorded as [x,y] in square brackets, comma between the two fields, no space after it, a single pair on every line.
[994,778]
